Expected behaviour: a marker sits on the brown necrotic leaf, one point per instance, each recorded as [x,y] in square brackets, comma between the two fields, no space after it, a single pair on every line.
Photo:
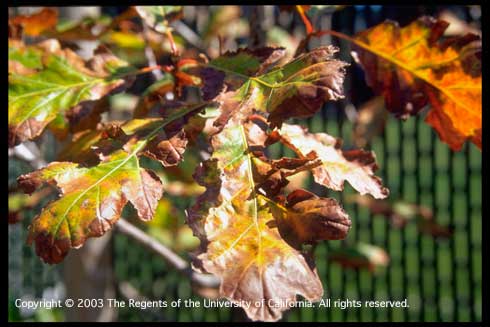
[167,146]
[60,80]
[233,68]
[297,89]
[248,239]
[411,68]
[355,166]
[310,218]
[168,150]
[361,255]
[91,202]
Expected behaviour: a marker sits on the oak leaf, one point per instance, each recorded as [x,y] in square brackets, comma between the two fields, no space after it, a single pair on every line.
[166,137]
[298,89]
[410,67]
[251,239]
[61,81]
[92,201]
[93,198]
[355,166]
[233,68]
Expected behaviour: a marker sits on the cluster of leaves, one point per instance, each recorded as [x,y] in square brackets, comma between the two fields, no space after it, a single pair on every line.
[253,235]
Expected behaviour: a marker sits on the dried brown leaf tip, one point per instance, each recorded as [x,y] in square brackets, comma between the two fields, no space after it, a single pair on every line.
[310,219]
[411,67]
[355,166]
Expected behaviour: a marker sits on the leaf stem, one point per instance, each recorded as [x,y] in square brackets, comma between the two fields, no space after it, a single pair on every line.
[304,18]
[173,46]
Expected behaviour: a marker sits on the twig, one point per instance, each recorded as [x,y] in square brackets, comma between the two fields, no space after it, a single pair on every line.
[30,153]
[188,34]
[305,19]
[172,258]
[150,55]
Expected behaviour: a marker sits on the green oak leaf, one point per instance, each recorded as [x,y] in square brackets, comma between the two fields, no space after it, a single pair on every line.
[46,81]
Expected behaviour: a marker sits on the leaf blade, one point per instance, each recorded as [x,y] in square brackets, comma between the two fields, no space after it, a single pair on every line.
[419,70]
[61,83]
[241,227]
[355,166]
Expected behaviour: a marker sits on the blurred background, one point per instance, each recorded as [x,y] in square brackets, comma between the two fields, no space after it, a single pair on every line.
[423,243]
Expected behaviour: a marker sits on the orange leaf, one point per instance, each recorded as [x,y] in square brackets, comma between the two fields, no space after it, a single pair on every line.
[411,68]
[37,23]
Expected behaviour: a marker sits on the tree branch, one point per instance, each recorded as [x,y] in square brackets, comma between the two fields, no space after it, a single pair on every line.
[188,34]
[28,152]
[172,258]
[150,55]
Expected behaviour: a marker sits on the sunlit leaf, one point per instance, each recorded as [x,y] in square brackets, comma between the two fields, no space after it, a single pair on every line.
[355,166]
[62,82]
[411,68]
[297,89]
[251,240]
[166,137]
[232,69]
[92,201]
[93,197]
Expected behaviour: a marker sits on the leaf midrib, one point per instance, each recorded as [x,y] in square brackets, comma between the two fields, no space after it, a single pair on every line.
[402,65]
[123,162]
[58,87]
